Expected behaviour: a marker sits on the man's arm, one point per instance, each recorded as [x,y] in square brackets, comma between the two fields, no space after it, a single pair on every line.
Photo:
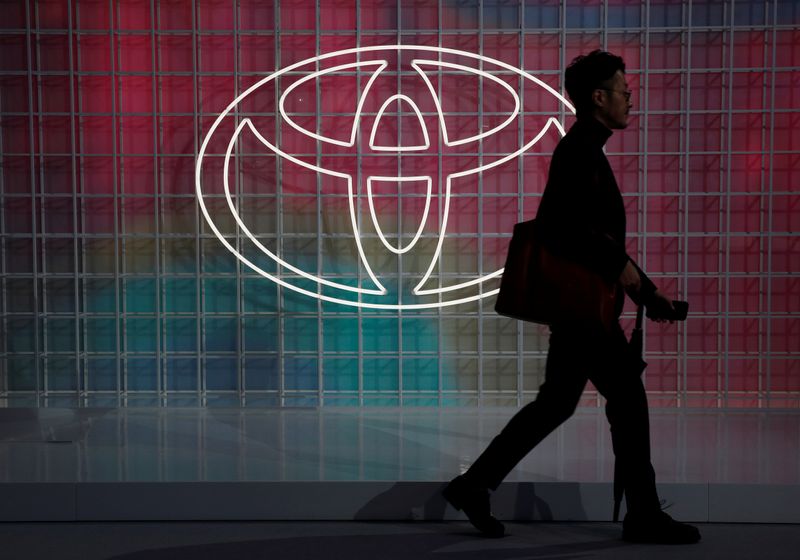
[647,288]
[643,291]
[636,283]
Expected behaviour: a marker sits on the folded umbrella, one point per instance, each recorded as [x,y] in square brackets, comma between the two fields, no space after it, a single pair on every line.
[637,365]
[636,345]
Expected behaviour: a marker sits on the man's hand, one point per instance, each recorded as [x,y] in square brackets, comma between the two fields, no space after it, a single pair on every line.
[659,307]
[631,281]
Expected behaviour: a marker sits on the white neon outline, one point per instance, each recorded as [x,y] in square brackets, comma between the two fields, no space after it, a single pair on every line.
[247,122]
[381,290]
[322,297]
[381,64]
[418,288]
[416,65]
[381,148]
[428,196]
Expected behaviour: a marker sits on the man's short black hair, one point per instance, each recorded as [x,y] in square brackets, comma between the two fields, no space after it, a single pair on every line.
[586,73]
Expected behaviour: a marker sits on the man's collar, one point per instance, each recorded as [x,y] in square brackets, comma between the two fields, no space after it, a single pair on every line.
[594,129]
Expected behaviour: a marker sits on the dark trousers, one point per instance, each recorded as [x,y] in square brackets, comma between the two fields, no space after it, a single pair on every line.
[575,356]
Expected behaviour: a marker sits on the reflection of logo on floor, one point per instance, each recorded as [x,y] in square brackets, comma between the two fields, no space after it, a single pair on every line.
[397,146]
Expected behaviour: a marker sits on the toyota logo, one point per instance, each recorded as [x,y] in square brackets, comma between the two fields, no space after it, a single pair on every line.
[392,134]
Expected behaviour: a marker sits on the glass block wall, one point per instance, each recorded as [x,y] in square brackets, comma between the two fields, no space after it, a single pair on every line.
[118,291]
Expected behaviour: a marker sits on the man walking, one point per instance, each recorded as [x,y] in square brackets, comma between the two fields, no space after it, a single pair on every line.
[582,217]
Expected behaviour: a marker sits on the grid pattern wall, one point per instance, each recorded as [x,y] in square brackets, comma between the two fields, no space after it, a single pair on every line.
[115,291]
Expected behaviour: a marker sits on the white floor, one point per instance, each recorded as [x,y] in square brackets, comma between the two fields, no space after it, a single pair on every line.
[205,463]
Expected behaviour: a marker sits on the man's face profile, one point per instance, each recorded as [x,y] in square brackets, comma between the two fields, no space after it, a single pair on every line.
[612,102]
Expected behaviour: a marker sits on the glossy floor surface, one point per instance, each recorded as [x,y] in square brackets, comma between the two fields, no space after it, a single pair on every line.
[385,541]
[203,444]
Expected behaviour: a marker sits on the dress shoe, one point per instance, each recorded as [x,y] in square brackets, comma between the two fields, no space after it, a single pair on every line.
[658,528]
[474,501]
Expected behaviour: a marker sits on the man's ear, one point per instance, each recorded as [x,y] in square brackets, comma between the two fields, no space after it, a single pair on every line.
[598,99]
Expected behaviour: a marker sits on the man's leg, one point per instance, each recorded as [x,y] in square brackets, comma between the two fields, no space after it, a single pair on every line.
[565,379]
[557,399]
[627,412]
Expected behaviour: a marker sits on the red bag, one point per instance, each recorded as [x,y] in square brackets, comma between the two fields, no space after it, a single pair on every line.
[541,287]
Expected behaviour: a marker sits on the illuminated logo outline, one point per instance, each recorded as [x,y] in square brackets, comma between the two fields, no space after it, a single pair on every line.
[380,66]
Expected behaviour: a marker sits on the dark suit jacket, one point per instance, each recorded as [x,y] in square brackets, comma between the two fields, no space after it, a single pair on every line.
[582,215]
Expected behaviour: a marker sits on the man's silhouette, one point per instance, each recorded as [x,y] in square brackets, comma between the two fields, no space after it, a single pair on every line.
[583,218]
